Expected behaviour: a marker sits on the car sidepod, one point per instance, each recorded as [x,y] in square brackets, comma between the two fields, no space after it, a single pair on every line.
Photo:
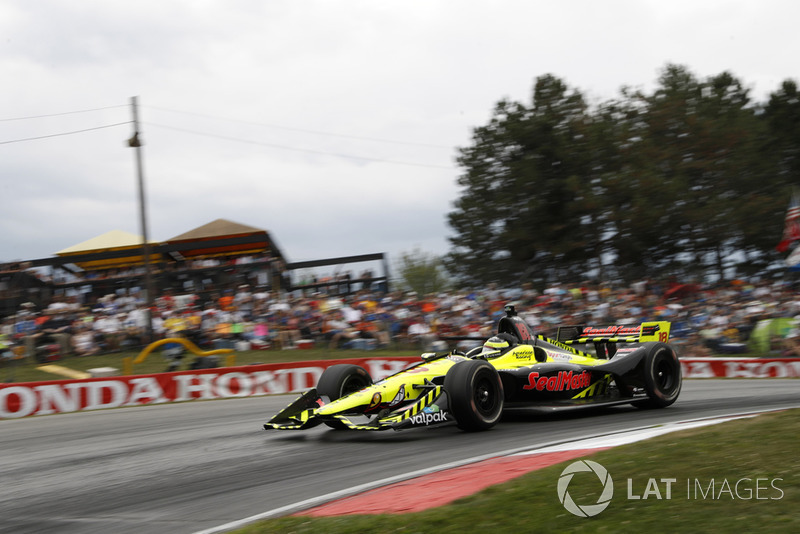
[552,382]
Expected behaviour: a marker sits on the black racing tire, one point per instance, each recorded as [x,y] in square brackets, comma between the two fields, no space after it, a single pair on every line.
[475,395]
[340,380]
[662,376]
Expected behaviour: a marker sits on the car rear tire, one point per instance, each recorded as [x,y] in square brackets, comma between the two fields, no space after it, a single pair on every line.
[340,380]
[475,395]
[662,376]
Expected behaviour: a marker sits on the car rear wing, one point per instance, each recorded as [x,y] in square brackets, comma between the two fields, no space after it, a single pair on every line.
[606,338]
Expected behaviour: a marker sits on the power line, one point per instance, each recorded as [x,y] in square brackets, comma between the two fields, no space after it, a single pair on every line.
[283,147]
[63,133]
[301,130]
[60,114]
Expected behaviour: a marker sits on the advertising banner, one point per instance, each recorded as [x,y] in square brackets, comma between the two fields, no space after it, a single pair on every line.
[740,367]
[62,396]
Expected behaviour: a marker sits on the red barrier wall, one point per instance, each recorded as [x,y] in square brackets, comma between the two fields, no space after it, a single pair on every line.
[740,367]
[61,396]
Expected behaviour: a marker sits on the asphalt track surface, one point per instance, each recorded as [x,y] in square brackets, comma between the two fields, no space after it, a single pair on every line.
[183,468]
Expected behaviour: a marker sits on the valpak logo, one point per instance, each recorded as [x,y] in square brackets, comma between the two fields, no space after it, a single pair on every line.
[585,510]
[429,414]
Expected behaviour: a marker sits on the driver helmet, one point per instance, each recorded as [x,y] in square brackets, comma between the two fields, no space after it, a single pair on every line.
[495,345]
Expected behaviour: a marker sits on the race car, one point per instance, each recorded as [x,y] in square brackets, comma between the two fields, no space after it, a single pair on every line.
[629,364]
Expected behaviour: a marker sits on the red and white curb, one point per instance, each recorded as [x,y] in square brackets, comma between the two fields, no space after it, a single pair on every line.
[443,487]
[439,486]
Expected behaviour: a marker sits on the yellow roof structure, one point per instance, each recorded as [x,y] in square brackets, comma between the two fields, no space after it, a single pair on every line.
[115,240]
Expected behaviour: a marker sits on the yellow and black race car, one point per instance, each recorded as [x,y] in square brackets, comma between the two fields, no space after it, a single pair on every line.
[632,365]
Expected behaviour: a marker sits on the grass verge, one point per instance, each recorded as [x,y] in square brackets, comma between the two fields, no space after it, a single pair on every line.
[760,454]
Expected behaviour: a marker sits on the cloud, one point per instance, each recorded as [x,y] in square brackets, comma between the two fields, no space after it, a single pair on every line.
[334,125]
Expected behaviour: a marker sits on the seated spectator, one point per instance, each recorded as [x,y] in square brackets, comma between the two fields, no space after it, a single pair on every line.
[24,328]
[58,305]
[258,333]
[444,325]
[108,332]
[165,303]
[243,301]
[136,325]
[288,327]
[310,325]
[420,334]
[335,329]
[371,328]
[225,302]
[83,342]
[696,347]
[56,329]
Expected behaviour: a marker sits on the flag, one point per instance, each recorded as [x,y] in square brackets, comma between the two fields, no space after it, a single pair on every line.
[791,225]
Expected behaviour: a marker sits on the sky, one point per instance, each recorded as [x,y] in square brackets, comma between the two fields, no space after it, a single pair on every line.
[332,124]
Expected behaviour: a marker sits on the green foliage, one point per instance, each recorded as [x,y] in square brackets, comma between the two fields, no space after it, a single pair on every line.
[782,115]
[422,273]
[690,180]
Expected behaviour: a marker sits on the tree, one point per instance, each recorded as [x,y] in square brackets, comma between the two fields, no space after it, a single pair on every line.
[422,273]
[782,115]
[698,155]
[524,212]
[689,180]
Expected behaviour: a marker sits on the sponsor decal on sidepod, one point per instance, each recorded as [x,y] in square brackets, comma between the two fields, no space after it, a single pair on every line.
[563,380]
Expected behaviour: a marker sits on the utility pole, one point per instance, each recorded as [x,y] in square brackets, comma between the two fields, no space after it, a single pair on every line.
[136,143]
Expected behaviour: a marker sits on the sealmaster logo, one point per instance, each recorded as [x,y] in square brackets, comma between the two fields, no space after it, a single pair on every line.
[611,331]
[429,414]
[589,510]
[563,380]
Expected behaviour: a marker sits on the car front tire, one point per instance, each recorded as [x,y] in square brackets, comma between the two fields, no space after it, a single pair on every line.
[340,380]
[475,395]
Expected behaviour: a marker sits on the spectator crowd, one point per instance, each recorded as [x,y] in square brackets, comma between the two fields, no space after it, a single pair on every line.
[706,320]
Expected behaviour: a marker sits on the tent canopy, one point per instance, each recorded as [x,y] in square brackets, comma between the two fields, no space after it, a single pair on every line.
[217,238]
[260,241]
[115,240]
